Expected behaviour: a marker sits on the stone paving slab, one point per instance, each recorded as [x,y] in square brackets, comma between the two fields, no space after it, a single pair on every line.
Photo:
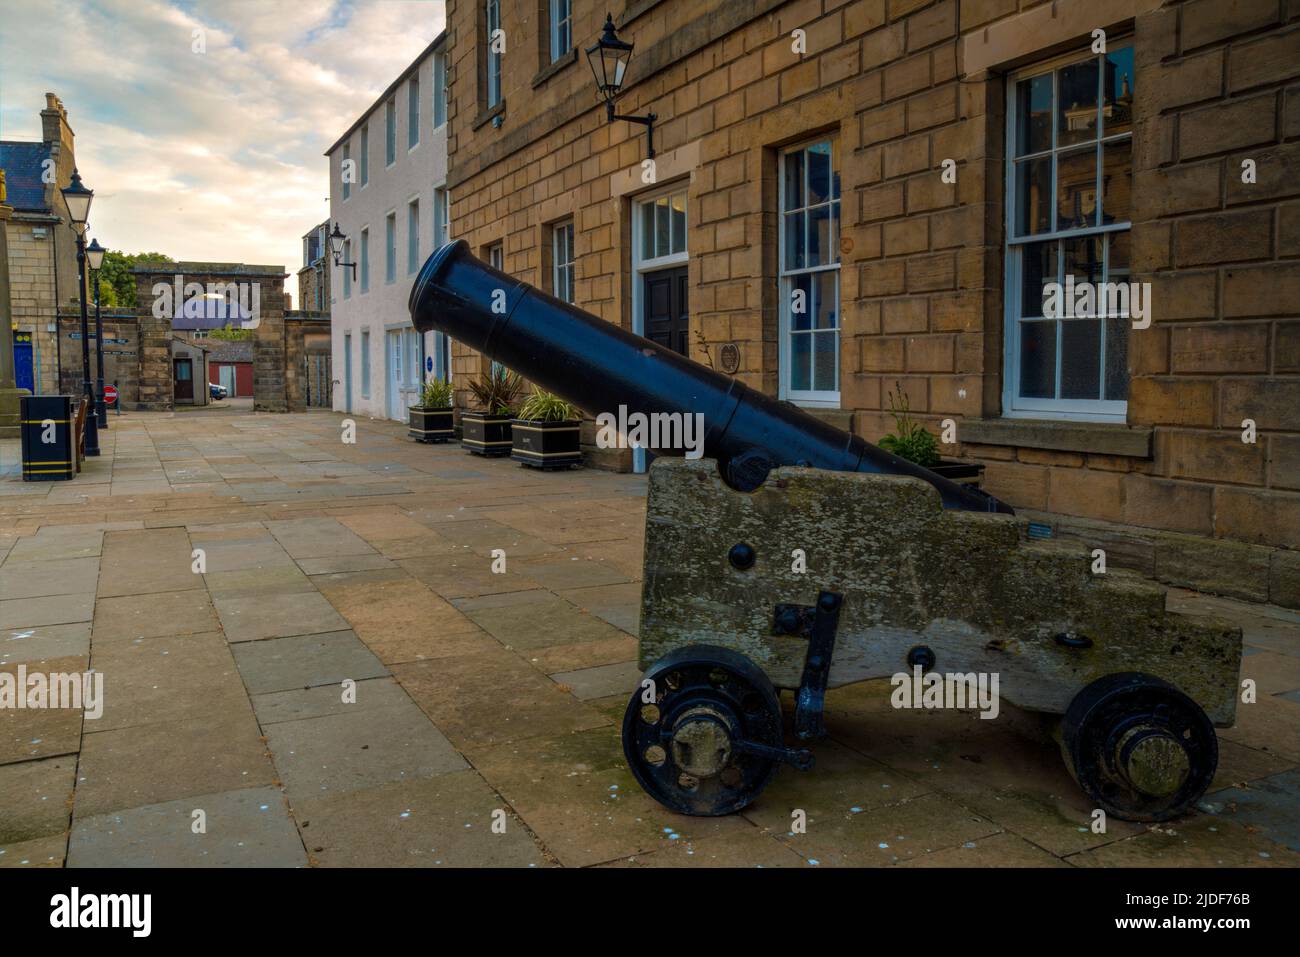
[359,748]
[1269,805]
[18,613]
[171,613]
[305,661]
[143,765]
[445,821]
[60,576]
[43,642]
[275,707]
[36,797]
[145,562]
[250,827]
[255,617]
[601,681]
[41,852]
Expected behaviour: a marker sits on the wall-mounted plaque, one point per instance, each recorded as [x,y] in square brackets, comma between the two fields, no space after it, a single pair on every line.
[729,357]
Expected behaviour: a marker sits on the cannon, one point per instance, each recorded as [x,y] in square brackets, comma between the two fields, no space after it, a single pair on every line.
[796,557]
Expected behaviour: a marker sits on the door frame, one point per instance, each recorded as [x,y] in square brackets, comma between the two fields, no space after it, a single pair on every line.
[641,266]
[176,363]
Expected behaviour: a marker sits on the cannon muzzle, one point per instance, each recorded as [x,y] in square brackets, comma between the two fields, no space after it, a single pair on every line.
[599,367]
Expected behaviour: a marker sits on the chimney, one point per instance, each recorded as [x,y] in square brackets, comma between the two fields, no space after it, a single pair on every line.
[54,123]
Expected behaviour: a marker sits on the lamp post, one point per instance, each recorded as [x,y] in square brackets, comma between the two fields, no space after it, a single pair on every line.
[336,246]
[77,198]
[95,257]
[609,58]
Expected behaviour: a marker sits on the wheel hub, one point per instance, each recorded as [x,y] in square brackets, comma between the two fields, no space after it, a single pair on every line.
[1153,761]
[701,743]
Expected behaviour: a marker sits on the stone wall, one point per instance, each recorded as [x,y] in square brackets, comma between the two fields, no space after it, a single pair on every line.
[304,332]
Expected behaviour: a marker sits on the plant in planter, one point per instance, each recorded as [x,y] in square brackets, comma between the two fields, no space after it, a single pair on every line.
[431,418]
[546,432]
[913,441]
[486,430]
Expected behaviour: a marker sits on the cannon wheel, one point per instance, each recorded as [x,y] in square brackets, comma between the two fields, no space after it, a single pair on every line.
[684,747]
[1139,747]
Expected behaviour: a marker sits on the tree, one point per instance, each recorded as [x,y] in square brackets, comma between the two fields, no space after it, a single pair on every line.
[116,284]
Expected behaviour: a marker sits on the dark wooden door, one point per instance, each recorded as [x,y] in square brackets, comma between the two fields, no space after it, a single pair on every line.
[183,376]
[666,313]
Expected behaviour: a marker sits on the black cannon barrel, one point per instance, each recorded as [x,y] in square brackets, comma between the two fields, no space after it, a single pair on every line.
[599,366]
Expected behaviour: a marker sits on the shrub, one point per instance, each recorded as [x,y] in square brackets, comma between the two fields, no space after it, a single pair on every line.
[546,407]
[911,441]
[496,393]
[436,394]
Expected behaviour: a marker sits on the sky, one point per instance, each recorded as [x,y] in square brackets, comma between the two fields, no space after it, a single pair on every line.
[209,156]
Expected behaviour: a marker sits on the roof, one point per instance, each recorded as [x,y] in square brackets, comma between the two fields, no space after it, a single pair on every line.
[208,269]
[392,87]
[233,350]
[22,165]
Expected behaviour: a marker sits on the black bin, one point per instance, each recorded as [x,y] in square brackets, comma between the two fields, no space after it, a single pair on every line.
[49,440]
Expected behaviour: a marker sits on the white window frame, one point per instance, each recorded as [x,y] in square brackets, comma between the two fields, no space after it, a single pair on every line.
[365,155]
[390,247]
[561,22]
[343,171]
[413,111]
[365,260]
[390,131]
[563,262]
[1014,406]
[441,216]
[813,398]
[413,236]
[347,270]
[365,363]
[492,14]
[439,99]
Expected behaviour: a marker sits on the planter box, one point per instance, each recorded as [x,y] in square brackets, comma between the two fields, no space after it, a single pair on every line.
[546,445]
[963,473]
[484,434]
[430,425]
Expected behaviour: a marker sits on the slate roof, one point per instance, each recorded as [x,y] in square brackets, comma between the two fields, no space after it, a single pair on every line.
[22,165]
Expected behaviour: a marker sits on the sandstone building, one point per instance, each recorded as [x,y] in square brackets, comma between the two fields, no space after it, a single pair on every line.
[914,172]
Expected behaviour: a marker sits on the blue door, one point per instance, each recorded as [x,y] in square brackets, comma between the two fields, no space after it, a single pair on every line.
[23,361]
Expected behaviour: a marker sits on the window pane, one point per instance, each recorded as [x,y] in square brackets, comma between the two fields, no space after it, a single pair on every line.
[1077,103]
[1038,360]
[794,180]
[1083,258]
[835,233]
[1037,269]
[801,303]
[1034,115]
[679,222]
[1081,359]
[1117,263]
[1117,359]
[820,247]
[827,312]
[1117,107]
[795,254]
[826,362]
[663,227]
[1076,189]
[801,362]
[647,230]
[819,173]
[1117,181]
[1033,192]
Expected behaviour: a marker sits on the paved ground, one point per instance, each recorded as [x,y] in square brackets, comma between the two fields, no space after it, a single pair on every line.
[479,697]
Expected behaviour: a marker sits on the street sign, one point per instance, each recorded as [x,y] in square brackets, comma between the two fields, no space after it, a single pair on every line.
[428,363]
[110,394]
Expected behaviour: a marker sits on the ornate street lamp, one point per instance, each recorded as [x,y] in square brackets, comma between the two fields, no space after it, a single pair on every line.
[609,58]
[95,257]
[336,246]
[77,198]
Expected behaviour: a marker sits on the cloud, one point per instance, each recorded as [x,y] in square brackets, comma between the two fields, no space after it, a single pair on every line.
[213,156]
